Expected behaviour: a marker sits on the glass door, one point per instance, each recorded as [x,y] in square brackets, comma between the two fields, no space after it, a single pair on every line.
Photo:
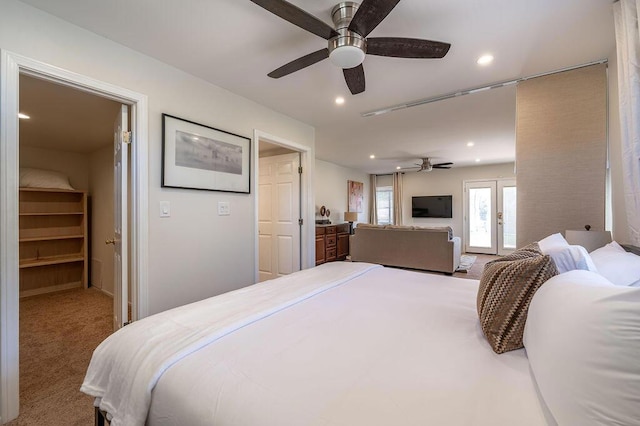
[490,216]
[506,216]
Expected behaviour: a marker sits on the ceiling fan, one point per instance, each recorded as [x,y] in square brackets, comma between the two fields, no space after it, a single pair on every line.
[348,42]
[427,165]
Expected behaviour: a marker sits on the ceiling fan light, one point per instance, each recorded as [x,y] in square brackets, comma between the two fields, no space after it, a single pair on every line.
[347,56]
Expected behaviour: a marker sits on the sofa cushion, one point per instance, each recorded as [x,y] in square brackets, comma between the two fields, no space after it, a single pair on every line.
[506,289]
[369,226]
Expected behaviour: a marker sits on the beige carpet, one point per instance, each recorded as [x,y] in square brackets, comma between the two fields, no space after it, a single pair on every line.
[58,333]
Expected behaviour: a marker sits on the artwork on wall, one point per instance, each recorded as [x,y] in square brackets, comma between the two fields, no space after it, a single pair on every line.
[196,156]
[355,190]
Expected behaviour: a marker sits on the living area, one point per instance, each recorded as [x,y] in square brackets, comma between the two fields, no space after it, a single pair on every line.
[438,244]
[561,182]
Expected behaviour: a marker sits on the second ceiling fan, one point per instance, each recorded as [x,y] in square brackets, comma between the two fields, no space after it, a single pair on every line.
[427,165]
[348,42]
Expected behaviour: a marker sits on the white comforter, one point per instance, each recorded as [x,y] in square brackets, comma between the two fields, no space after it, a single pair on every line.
[374,346]
[125,367]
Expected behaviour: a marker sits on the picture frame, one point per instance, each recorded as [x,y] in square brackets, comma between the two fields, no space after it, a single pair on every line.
[197,156]
[355,197]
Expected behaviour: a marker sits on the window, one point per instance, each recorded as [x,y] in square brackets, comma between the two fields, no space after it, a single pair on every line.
[384,204]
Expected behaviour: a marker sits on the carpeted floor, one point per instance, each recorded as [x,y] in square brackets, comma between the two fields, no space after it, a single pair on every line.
[58,333]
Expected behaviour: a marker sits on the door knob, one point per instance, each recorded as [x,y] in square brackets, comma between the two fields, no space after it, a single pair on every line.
[110,241]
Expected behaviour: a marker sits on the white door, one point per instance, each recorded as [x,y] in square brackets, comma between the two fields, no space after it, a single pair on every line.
[120,241]
[506,216]
[490,216]
[278,215]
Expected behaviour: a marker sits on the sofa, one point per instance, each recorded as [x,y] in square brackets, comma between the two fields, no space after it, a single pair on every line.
[426,248]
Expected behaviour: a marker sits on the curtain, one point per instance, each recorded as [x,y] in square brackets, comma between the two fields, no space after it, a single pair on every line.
[397,198]
[628,50]
[373,205]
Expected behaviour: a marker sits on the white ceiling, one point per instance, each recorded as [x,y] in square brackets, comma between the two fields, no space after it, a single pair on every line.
[63,118]
[235,43]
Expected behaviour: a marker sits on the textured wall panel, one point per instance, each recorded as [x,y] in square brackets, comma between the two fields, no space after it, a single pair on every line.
[561,152]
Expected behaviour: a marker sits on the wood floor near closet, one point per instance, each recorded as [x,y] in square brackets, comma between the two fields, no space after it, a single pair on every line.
[58,333]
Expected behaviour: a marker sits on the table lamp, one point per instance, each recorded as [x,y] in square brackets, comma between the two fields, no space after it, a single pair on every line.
[350,217]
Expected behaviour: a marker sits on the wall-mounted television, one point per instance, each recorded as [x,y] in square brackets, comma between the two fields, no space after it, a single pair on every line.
[432,206]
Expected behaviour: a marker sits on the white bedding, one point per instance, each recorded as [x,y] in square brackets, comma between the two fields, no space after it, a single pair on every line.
[388,347]
[126,366]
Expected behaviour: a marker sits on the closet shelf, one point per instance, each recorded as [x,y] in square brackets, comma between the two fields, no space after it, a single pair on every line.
[55,260]
[51,238]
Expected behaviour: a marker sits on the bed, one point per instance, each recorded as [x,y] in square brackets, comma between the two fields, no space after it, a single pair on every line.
[339,344]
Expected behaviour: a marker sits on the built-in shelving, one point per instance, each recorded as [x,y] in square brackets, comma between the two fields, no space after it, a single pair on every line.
[53,240]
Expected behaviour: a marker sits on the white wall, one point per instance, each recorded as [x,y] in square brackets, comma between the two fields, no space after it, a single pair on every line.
[447,182]
[73,164]
[331,190]
[101,189]
[195,253]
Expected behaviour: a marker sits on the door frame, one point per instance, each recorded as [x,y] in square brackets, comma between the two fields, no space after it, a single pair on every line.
[11,66]
[307,200]
[465,218]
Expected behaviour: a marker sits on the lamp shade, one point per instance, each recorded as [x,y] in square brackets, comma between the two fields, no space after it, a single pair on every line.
[350,216]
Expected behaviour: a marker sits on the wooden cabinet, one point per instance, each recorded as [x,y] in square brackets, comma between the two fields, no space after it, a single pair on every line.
[53,240]
[320,257]
[332,242]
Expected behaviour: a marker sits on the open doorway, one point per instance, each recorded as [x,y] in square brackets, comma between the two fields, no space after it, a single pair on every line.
[66,213]
[12,66]
[279,211]
[299,171]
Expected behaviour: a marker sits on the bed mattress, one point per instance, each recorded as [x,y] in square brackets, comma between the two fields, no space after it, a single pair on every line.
[388,347]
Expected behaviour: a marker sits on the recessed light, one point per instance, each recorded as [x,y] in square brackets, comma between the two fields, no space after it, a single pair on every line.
[23,116]
[339,100]
[398,168]
[477,160]
[485,59]
[372,156]
[470,143]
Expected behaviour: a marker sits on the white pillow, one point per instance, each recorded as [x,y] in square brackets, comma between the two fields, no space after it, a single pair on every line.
[570,258]
[37,178]
[617,265]
[581,338]
[552,242]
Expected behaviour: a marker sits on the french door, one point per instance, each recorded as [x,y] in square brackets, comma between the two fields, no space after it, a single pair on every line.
[490,216]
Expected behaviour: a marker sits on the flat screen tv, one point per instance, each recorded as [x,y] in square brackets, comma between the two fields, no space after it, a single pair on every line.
[432,206]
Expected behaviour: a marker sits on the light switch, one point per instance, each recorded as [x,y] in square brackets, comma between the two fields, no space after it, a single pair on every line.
[165,209]
[223,208]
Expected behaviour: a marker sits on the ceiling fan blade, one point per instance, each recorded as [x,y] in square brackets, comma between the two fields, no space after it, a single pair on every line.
[370,14]
[440,167]
[300,63]
[400,47]
[443,164]
[355,79]
[298,17]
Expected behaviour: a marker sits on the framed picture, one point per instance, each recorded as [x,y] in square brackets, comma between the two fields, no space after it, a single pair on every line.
[196,156]
[355,190]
